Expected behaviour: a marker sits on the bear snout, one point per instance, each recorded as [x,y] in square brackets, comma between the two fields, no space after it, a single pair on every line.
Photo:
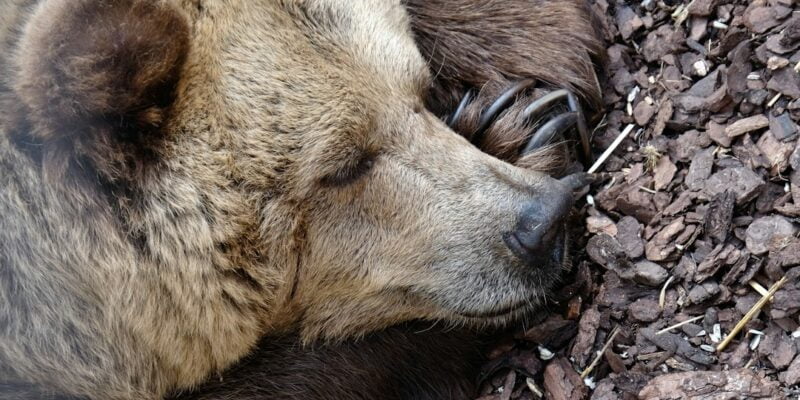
[539,234]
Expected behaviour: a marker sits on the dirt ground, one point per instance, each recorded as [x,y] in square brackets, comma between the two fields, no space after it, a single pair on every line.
[685,278]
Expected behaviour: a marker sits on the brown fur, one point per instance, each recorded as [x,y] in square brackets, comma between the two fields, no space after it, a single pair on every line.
[472,43]
[490,45]
[425,363]
[404,362]
[100,90]
[181,178]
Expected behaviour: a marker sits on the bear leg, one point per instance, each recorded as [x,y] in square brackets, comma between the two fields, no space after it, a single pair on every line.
[401,363]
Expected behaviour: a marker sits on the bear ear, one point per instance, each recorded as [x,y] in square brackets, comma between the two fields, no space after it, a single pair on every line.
[99,70]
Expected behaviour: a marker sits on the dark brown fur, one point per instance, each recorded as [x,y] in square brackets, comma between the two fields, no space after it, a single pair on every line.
[104,90]
[401,363]
[490,45]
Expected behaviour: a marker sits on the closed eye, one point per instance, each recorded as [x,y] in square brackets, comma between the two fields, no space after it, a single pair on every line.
[351,172]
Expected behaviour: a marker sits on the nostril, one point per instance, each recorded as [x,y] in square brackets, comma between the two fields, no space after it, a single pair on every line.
[540,224]
[541,237]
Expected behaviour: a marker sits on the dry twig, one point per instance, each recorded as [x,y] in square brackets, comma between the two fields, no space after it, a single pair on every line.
[750,314]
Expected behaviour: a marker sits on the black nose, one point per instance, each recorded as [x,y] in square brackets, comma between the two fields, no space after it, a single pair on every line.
[538,235]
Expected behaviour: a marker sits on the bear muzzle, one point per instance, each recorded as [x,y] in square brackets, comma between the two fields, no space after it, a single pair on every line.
[539,236]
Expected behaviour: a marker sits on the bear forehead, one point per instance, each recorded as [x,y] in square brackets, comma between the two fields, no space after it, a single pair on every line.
[321,53]
[271,83]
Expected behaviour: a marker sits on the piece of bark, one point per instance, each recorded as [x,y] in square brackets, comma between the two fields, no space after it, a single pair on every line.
[779,45]
[675,343]
[681,204]
[688,144]
[717,133]
[741,180]
[786,255]
[703,292]
[746,125]
[561,382]
[792,375]
[645,310]
[601,224]
[606,251]
[552,332]
[605,391]
[785,81]
[761,19]
[662,246]
[629,236]
[699,26]
[700,169]
[665,112]
[649,273]
[628,22]
[723,254]
[739,272]
[785,303]
[664,40]
[781,351]
[768,233]
[776,152]
[664,172]
[643,112]
[702,7]
[711,385]
[584,341]
[739,70]
[719,216]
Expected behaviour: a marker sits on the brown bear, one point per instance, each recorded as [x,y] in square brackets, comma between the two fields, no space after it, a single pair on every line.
[185,182]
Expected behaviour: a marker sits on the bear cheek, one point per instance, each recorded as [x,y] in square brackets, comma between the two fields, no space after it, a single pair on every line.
[94,89]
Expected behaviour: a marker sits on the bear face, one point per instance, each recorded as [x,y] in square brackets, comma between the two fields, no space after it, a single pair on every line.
[389,214]
[225,170]
[395,212]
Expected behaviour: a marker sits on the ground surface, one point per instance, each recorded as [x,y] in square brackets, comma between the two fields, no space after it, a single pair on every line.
[701,212]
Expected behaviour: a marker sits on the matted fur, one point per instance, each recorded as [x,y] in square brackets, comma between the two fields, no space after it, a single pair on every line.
[167,203]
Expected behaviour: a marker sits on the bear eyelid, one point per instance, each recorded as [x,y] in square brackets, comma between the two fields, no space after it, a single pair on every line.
[350,173]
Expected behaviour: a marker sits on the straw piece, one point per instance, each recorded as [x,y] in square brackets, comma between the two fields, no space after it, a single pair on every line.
[611,148]
[750,314]
[600,353]
[680,324]
[758,288]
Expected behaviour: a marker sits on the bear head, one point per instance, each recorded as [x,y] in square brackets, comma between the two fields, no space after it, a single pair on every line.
[271,165]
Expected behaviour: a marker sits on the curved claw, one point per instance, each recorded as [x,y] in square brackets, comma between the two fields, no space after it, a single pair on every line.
[548,131]
[578,180]
[543,135]
[583,131]
[544,103]
[451,120]
[499,105]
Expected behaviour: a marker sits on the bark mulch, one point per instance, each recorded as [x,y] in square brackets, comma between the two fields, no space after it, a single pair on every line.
[698,219]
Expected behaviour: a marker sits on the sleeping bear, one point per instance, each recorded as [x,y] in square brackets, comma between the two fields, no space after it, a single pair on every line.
[269,198]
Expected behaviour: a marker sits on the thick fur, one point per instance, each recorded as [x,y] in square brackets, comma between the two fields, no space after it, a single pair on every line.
[470,43]
[488,46]
[101,90]
[403,363]
[182,178]
[406,362]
